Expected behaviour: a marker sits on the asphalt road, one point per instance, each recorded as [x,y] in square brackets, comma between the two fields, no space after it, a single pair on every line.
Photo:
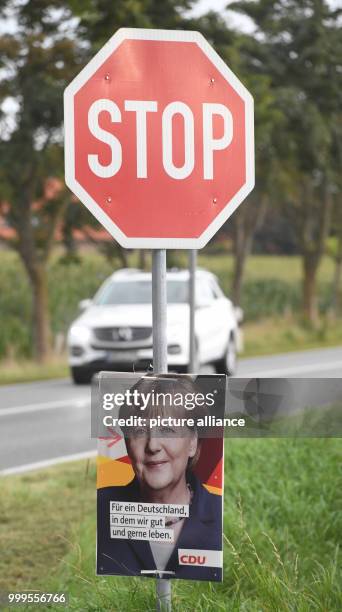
[43,423]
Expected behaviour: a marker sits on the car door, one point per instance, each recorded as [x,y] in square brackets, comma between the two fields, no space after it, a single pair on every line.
[210,321]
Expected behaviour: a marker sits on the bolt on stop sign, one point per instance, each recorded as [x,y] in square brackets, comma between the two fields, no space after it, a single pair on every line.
[159,139]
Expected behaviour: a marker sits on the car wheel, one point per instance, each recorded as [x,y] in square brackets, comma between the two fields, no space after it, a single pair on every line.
[227,365]
[81,375]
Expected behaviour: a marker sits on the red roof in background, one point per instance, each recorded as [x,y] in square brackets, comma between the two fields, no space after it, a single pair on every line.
[86,234]
[52,187]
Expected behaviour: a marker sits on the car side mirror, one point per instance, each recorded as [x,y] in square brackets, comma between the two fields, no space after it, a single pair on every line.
[84,304]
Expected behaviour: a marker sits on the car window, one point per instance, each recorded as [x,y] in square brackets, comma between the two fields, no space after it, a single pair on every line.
[204,294]
[139,292]
[217,291]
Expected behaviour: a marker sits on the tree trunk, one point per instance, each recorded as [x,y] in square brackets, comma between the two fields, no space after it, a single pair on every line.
[40,313]
[336,288]
[142,259]
[238,272]
[310,308]
[123,256]
[70,245]
[314,228]
[246,223]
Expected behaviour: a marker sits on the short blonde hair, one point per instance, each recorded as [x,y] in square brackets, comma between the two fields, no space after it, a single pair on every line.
[167,384]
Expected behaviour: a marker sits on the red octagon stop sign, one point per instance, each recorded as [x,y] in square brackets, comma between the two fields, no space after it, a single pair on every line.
[159,139]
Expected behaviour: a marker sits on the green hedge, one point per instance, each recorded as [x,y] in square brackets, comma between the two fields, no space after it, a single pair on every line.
[68,284]
[269,297]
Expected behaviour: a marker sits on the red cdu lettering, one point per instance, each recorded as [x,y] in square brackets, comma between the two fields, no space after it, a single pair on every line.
[193,560]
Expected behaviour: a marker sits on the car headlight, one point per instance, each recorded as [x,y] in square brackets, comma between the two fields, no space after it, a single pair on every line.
[79,333]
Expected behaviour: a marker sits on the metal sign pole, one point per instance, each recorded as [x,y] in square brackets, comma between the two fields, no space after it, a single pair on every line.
[192,339]
[159,311]
[160,367]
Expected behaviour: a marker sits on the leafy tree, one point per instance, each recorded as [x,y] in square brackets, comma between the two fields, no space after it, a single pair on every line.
[78,223]
[301,51]
[250,215]
[37,60]
[99,19]
[50,43]
[334,243]
[238,50]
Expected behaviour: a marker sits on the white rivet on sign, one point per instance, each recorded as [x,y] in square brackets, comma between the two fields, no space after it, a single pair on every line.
[108,200]
[214,200]
[212,80]
[107,77]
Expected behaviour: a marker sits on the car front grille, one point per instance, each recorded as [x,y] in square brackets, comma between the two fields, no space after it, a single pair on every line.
[122,334]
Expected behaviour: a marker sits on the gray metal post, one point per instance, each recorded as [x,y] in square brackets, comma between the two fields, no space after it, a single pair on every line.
[159,304]
[159,311]
[192,339]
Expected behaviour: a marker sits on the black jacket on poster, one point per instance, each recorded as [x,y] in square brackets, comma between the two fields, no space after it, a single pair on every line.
[202,530]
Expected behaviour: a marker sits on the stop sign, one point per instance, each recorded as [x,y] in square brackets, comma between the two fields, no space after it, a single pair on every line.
[159,139]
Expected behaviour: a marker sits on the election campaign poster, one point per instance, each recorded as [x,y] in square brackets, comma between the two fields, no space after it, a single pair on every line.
[159,475]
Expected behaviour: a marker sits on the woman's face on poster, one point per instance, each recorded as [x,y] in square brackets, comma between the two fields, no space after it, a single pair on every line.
[160,462]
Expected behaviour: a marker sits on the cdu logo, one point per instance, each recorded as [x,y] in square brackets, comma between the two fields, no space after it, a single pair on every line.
[204,558]
[192,560]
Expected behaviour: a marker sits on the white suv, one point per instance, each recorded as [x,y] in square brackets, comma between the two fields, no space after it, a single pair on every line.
[115,329]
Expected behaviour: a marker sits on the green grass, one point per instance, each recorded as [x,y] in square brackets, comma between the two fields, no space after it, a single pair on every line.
[286,334]
[320,421]
[40,517]
[282,267]
[282,525]
[12,372]
[308,422]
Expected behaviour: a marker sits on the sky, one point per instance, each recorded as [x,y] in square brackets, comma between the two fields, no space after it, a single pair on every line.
[234,19]
[219,6]
[201,6]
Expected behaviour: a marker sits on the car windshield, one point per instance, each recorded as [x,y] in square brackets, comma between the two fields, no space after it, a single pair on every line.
[139,292]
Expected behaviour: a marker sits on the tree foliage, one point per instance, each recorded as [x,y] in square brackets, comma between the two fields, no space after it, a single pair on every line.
[50,42]
[37,60]
[297,45]
[99,19]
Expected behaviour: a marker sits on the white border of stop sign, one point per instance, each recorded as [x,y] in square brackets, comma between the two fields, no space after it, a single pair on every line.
[141,113]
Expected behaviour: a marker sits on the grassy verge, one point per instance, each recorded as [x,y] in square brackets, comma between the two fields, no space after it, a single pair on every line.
[12,372]
[40,517]
[286,334]
[282,525]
